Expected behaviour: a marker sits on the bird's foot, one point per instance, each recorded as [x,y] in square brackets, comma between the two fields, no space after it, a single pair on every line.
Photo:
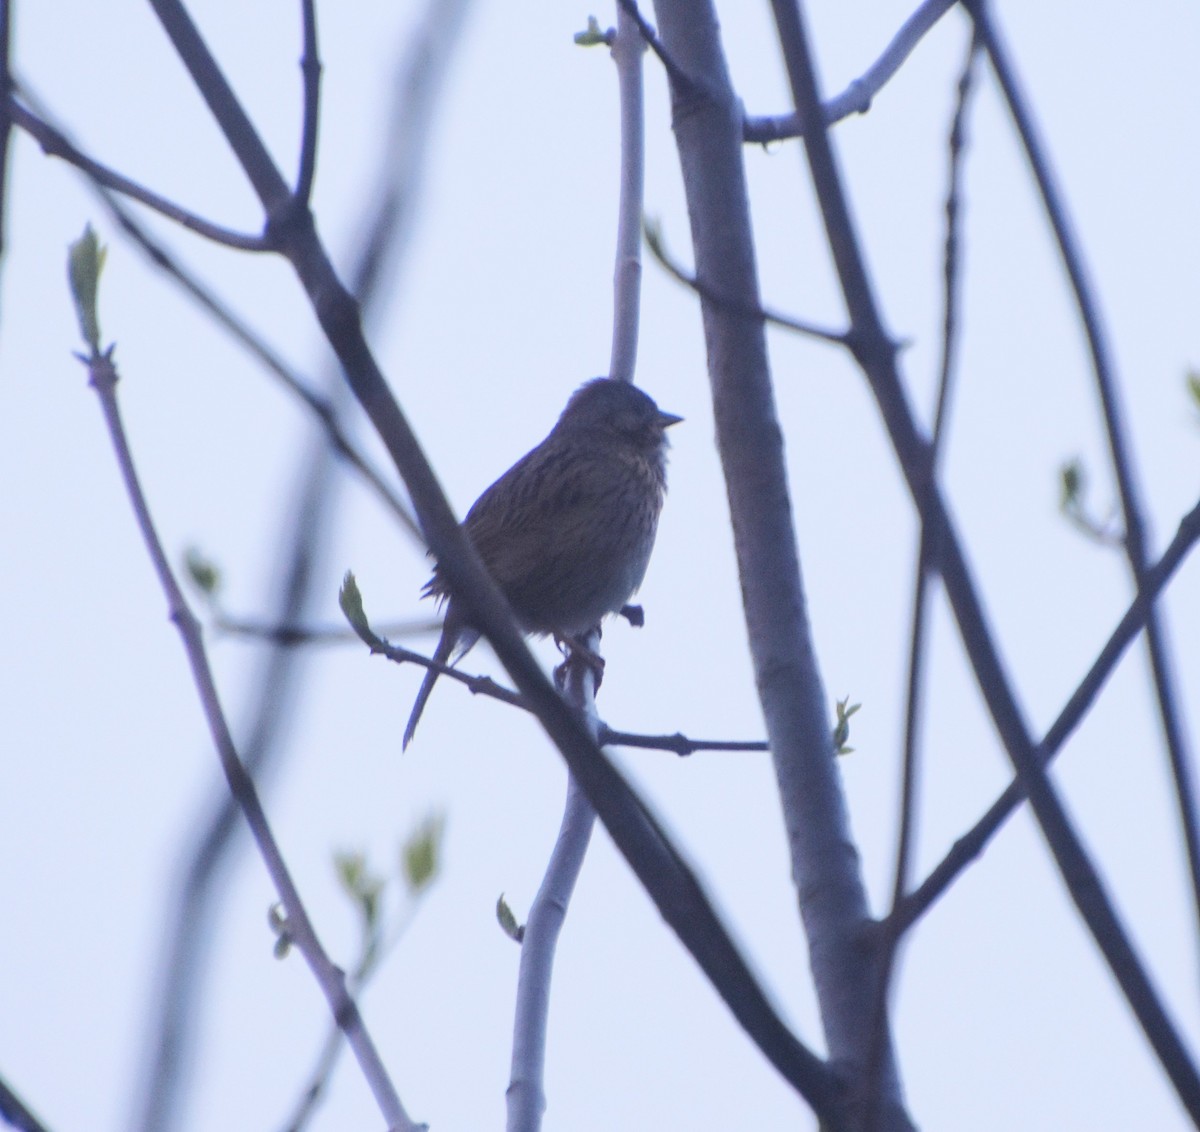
[576,652]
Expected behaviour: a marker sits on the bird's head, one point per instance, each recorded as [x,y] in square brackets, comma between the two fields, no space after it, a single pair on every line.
[617,408]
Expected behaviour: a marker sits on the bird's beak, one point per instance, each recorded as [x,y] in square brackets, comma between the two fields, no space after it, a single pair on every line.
[666,420]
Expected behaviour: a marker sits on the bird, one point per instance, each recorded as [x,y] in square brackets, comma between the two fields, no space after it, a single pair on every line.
[567,531]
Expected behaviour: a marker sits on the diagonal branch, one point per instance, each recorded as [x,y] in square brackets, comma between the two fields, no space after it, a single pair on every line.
[972,843]
[1132,508]
[55,144]
[658,249]
[391,203]
[300,930]
[876,355]
[927,556]
[13,1110]
[659,866]
[858,96]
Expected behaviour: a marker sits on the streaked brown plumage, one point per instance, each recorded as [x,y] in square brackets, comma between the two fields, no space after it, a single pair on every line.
[567,531]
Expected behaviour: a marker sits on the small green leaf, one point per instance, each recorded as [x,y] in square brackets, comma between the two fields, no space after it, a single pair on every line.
[360,884]
[508,922]
[278,922]
[1073,506]
[1071,480]
[1193,383]
[422,853]
[350,868]
[85,262]
[350,600]
[593,35]
[204,573]
[841,732]
[652,233]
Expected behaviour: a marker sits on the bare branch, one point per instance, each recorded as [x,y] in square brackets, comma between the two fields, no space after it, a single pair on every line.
[927,556]
[1104,372]
[858,96]
[310,68]
[826,870]
[102,378]
[876,355]
[678,743]
[12,1109]
[6,86]
[627,49]
[731,303]
[389,205]
[680,79]
[526,1093]
[972,843]
[228,111]
[658,865]
[56,145]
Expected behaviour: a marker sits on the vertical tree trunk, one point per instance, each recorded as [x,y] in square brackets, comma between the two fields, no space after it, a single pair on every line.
[707,119]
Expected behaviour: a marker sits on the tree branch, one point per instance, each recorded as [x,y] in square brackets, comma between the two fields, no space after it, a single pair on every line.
[972,843]
[858,96]
[876,355]
[300,930]
[12,1109]
[731,303]
[526,1094]
[658,865]
[1132,509]
[927,556]
[389,205]
[55,144]
[826,870]
[310,68]
[6,86]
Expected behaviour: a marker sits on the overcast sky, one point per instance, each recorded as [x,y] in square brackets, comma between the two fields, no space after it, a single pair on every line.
[1006,1017]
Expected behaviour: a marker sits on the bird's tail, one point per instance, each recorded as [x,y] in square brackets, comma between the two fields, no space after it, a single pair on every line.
[441,654]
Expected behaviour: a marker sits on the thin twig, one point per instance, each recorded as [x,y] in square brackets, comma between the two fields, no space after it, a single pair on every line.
[13,1110]
[475,684]
[389,204]
[1103,369]
[927,557]
[479,685]
[876,354]
[103,378]
[374,948]
[6,86]
[321,406]
[858,96]
[680,79]
[678,743]
[310,68]
[296,636]
[658,249]
[659,866]
[971,844]
[55,144]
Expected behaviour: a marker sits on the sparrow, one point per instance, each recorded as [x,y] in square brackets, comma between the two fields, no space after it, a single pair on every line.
[567,531]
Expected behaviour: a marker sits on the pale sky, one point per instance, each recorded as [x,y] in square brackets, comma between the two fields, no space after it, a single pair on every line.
[1006,1016]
